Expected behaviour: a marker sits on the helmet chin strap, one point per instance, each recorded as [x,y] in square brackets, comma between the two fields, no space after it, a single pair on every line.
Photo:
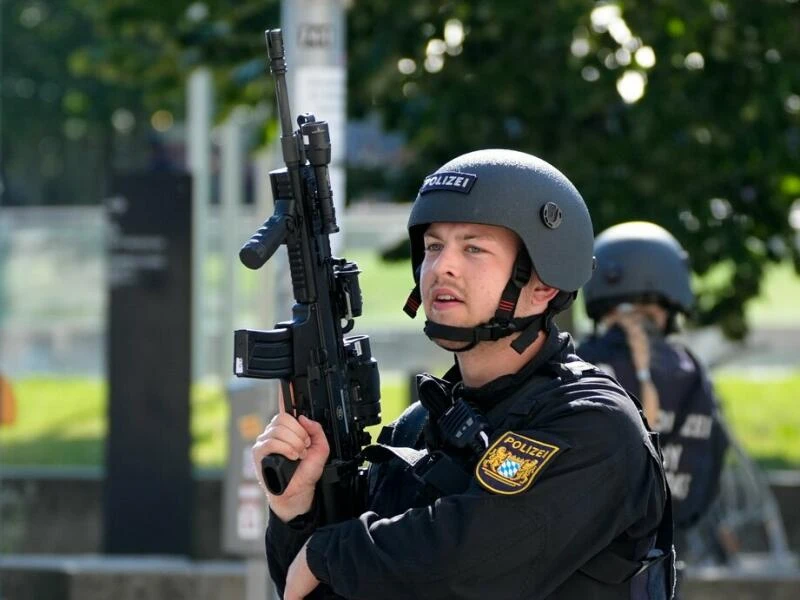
[485,332]
[503,324]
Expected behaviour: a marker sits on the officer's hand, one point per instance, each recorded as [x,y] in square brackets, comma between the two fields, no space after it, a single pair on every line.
[295,439]
[300,581]
[633,325]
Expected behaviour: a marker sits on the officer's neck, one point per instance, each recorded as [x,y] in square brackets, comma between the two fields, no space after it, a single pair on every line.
[489,360]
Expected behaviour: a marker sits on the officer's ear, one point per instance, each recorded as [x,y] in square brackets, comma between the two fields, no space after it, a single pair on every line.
[539,293]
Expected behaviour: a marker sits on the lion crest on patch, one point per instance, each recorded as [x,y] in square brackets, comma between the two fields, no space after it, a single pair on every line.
[510,465]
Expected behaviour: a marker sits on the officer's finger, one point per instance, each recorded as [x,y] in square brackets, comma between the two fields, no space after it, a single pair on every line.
[292,436]
[281,407]
[284,421]
[627,318]
[319,442]
[285,448]
[633,325]
[281,398]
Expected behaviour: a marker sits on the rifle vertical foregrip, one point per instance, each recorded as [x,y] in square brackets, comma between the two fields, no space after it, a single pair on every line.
[259,248]
[277,471]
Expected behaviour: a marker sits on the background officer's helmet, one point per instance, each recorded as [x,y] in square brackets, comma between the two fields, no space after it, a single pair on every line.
[638,262]
[520,192]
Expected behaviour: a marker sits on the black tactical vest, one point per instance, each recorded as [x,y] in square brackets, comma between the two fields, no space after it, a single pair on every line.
[408,472]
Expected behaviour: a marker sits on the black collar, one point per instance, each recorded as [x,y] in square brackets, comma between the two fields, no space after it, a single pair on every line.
[555,348]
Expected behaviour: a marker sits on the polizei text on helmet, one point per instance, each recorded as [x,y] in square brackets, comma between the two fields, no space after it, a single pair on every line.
[453,182]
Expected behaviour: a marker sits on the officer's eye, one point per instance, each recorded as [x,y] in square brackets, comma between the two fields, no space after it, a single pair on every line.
[474,250]
[433,247]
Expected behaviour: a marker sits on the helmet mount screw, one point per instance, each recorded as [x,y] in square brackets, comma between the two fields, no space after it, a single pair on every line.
[552,215]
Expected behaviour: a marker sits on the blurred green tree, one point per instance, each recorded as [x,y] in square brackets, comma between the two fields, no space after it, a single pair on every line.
[81,80]
[59,142]
[153,46]
[683,113]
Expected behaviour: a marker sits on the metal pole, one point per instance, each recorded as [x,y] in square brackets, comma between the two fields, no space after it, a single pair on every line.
[232,181]
[314,37]
[263,162]
[199,110]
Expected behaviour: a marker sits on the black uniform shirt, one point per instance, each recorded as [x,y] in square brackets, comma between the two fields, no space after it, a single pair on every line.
[596,484]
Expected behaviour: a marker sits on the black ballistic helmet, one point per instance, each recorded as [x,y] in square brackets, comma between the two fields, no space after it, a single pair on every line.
[638,261]
[520,192]
[524,194]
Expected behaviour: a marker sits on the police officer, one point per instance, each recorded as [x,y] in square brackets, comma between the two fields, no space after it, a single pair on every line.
[522,473]
[639,289]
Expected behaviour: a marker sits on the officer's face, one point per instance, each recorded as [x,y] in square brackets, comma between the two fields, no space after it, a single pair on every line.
[465,269]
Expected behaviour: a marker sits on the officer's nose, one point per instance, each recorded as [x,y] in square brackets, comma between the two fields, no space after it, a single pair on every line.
[447,261]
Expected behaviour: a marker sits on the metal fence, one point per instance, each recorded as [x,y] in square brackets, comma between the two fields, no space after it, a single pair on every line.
[53,294]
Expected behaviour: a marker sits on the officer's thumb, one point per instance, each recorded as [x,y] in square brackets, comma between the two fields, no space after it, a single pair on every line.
[319,442]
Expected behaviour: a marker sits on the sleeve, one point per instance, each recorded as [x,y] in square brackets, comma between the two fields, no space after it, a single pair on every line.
[611,359]
[482,544]
[694,453]
[283,541]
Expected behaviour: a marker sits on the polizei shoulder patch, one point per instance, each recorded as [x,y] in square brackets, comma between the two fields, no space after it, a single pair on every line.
[511,464]
[452,182]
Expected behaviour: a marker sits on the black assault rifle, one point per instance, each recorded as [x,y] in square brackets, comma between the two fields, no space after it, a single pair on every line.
[325,376]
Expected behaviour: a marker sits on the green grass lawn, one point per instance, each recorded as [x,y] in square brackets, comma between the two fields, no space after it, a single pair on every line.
[763,414]
[62,421]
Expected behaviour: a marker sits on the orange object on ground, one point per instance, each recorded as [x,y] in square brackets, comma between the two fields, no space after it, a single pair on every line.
[8,404]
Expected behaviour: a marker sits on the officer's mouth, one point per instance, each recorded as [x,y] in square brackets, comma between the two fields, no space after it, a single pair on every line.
[445,299]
